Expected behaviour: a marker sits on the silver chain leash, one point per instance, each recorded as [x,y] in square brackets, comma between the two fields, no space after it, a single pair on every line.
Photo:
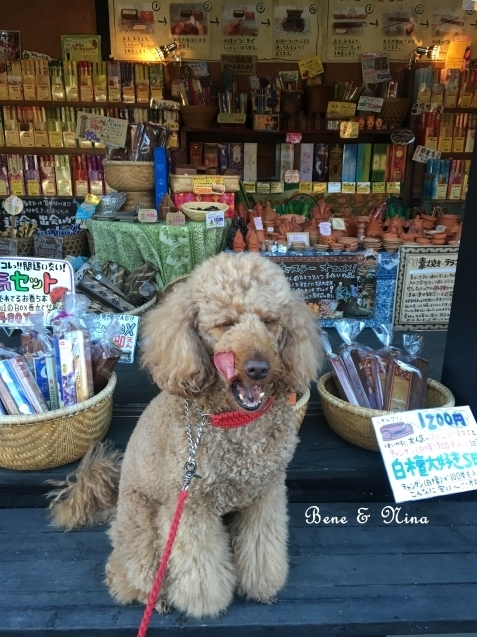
[190,466]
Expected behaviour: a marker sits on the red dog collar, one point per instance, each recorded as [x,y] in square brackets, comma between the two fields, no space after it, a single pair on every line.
[233,419]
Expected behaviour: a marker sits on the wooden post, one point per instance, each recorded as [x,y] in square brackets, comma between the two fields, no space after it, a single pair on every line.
[459,372]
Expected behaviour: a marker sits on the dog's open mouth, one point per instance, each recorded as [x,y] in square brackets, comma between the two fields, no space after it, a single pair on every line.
[248,395]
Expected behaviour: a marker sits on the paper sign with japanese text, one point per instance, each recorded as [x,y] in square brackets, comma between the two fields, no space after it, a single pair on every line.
[215,219]
[340,110]
[109,131]
[126,339]
[373,104]
[456,51]
[208,185]
[375,67]
[26,284]
[423,154]
[428,452]
[311,66]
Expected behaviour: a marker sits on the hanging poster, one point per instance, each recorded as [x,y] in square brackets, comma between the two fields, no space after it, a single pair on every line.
[295,31]
[10,45]
[79,48]
[424,288]
[399,28]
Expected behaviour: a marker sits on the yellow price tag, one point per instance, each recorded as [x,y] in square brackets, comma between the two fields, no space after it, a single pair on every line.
[319,186]
[311,66]
[378,187]
[340,110]
[306,186]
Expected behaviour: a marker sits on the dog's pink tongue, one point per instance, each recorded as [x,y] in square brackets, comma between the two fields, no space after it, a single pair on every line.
[225,363]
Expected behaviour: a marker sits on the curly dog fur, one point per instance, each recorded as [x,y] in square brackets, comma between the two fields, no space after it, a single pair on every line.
[231,303]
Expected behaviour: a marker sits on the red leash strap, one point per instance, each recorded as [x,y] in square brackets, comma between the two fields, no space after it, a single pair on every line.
[161,571]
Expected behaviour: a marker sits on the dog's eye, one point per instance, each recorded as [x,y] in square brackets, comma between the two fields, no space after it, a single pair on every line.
[269,321]
[226,324]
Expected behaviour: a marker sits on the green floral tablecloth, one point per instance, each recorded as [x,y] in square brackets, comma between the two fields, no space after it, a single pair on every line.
[174,250]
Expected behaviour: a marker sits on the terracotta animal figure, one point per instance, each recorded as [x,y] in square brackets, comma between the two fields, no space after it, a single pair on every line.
[232,337]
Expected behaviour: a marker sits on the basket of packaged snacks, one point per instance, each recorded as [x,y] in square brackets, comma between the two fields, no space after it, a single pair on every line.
[57,437]
[364,383]
[353,423]
[57,391]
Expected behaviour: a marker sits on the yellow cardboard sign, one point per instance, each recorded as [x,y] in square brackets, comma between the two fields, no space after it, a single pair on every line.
[311,66]
[349,130]
[455,52]
[378,187]
[319,186]
[340,110]
[208,185]
[306,186]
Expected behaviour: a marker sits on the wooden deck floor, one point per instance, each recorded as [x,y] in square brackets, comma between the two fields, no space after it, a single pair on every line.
[346,580]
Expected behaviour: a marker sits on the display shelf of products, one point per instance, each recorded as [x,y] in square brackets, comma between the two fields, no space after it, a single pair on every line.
[74,104]
[50,150]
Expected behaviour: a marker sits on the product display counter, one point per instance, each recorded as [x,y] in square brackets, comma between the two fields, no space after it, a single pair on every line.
[174,250]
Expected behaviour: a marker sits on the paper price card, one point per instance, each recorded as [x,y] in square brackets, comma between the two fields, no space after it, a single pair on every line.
[215,219]
[373,104]
[311,66]
[126,338]
[349,130]
[208,185]
[98,128]
[428,452]
[375,67]
[423,154]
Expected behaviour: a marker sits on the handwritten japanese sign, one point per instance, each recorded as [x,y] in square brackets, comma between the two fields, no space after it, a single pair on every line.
[25,286]
[99,128]
[424,288]
[47,212]
[428,452]
[334,287]
[126,339]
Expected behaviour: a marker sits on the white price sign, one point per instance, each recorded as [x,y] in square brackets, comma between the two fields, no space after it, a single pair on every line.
[428,452]
[215,219]
[373,104]
[423,154]
[109,131]
[126,339]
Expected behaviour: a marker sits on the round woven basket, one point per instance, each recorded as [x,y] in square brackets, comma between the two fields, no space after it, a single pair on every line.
[126,176]
[199,116]
[25,246]
[299,409]
[317,98]
[394,111]
[58,437]
[74,245]
[354,423]
[291,102]
[145,199]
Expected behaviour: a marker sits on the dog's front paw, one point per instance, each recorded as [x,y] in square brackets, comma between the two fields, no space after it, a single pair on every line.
[204,589]
[261,579]
[119,585]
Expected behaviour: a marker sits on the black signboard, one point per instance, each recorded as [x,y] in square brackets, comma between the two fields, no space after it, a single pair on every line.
[8,247]
[48,212]
[48,247]
[334,286]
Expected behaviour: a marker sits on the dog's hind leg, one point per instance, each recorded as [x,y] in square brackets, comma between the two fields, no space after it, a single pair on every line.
[259,540]
[202,577]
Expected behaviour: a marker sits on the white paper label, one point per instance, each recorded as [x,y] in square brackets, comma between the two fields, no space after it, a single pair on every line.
[215,219]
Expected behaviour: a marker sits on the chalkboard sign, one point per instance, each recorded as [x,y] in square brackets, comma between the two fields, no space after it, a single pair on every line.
[334,286]
[48,247]
[8,247]
[48,212]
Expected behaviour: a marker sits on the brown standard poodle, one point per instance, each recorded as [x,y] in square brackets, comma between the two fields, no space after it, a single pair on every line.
[232,337]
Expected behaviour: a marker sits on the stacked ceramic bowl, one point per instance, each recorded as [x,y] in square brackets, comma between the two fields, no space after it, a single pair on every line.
[298,246]
[350,243]
[392,245]
[321,247]
[370,243]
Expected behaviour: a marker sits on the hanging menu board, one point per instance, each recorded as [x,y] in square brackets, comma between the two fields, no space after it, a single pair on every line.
[425,286]
[334,287]
[47,212]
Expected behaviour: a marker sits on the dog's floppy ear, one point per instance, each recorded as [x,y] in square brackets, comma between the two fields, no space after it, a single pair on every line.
[301,350]
[173,351]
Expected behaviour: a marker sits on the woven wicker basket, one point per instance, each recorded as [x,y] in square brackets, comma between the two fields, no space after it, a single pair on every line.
[299,409]
[394,111]
[74,245]
[142,309]
[145,199]
[25,246]
[90,239]
[199,116]
[127,176]
[354,423]
[57,437]
[317,98]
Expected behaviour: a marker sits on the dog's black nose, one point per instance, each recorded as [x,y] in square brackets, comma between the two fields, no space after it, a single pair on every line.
[257,369]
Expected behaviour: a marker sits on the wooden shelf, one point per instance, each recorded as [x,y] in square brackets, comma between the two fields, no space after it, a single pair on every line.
[460,109]
[20,150]
[54,104]
[452,155]
[249,131]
